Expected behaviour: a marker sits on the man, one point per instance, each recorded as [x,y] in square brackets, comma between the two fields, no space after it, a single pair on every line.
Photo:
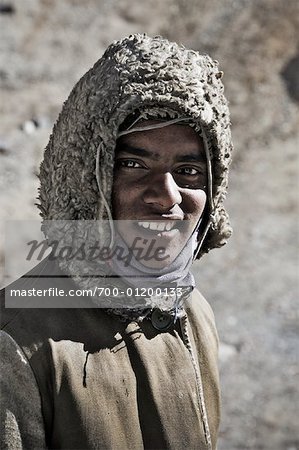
[143,142]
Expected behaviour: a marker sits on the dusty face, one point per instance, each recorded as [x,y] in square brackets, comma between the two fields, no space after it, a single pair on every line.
[160,182]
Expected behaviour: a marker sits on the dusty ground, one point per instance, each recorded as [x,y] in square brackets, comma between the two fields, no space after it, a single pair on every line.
[252,284]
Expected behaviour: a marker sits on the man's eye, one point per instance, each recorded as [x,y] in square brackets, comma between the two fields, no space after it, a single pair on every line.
[188,171]
[129,163]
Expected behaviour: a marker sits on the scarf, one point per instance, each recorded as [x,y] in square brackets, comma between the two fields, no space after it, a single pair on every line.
[169,288]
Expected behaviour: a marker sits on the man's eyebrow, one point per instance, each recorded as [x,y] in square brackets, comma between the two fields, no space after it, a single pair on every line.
[196,156]
[137,151]
[192,157]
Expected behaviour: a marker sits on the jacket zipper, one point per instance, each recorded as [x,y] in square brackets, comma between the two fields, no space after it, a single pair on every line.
[200,394]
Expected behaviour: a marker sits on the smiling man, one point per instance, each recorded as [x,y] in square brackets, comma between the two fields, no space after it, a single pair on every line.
[160,182]
[137,166]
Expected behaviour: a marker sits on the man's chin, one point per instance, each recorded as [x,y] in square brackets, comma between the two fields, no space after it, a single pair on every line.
[155,253]
[156,263]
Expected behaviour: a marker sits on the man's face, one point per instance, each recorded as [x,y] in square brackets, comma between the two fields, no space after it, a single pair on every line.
[160,181]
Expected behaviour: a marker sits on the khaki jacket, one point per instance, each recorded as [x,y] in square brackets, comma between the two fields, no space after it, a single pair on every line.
[94,382]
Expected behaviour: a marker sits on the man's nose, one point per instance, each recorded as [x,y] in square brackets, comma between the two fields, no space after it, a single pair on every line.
[162,191]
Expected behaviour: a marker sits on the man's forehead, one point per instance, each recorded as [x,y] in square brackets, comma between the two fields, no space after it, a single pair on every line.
[174,140]
[192,154]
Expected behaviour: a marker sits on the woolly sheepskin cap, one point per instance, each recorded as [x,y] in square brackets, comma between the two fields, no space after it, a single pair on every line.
[135,73]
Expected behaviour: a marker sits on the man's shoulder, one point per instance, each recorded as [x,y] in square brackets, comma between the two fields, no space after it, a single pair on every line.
[61,329]
[198,305]
[18,304]
[201,318]
[32,322]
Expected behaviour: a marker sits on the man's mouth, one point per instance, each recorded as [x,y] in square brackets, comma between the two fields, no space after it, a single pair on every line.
[158,226]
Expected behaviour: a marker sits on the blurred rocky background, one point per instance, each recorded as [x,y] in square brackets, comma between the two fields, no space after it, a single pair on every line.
[252,283]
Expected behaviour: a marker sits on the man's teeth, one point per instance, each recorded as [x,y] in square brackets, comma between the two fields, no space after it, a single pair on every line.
[157,226]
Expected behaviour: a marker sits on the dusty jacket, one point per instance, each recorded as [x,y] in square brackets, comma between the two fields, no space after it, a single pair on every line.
[79,378]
